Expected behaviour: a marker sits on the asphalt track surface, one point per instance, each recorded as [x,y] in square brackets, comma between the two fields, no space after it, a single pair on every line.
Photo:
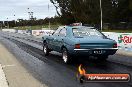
[52,71]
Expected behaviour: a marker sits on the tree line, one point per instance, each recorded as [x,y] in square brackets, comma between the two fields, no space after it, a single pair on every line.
[32,22]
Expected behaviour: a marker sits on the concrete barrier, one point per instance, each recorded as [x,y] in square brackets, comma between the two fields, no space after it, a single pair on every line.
[9,30]
[124,40]
[21,31]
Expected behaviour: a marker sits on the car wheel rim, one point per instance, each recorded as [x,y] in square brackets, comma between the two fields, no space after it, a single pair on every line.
[45,49]
[65,56]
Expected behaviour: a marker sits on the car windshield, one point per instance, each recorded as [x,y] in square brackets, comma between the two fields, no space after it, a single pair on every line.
[86,31]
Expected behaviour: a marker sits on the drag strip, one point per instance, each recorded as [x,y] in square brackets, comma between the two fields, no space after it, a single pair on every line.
[52,71]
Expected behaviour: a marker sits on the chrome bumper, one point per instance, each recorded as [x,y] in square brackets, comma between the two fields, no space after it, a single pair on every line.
[96,49]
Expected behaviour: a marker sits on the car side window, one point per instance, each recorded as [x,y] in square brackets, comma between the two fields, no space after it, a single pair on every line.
[57,31]
[63,32]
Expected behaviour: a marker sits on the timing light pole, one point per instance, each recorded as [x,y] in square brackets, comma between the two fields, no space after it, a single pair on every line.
[101,22]
[14,19]
[8,24]
[30,13]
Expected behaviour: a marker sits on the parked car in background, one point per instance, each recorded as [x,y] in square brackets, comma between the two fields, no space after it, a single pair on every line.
[74,41]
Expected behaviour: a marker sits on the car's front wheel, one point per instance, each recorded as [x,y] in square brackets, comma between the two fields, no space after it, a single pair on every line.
[45,49]
[65,56]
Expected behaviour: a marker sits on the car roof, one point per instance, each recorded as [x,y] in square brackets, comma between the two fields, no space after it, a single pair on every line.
[79,27]
[68,26]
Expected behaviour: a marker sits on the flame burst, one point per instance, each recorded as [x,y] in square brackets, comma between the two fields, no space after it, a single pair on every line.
[81,70]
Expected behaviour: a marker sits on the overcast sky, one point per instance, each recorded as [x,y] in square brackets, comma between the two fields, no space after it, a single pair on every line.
[9,8]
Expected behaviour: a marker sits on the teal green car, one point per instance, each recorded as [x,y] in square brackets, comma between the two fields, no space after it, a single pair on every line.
[76,41]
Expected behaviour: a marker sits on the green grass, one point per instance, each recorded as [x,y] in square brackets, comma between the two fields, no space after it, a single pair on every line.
[37,27]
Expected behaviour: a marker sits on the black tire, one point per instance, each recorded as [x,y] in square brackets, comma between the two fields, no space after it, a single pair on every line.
[45,49]
[102,58]
[66,57]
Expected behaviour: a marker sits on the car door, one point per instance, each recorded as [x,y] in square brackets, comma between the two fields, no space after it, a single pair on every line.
[60,39]
[53,40]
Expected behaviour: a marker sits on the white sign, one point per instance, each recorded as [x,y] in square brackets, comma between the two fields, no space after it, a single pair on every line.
[42,32]
[9,30]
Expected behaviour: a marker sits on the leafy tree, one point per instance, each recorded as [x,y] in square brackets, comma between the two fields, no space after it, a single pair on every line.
[85,11]
[88,11]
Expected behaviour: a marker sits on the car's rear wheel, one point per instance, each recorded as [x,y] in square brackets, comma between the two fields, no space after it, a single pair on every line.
[45,49]
[65,56]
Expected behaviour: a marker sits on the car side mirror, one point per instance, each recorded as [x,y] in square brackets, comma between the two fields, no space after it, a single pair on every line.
[53,33]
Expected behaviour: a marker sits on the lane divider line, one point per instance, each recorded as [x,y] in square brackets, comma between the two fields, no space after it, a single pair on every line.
[8,66]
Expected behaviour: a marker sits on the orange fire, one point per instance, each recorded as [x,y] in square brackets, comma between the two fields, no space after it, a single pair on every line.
[81,70]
